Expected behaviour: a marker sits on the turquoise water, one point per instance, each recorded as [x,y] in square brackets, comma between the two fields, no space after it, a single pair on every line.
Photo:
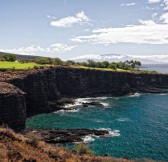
[138,125]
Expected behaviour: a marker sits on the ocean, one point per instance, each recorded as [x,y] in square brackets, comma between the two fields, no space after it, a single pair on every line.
[138,125]
[161,68]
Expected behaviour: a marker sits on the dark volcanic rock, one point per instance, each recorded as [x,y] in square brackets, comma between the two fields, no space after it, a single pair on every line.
[87,104]
[12,106]
[67,135]
[46,88]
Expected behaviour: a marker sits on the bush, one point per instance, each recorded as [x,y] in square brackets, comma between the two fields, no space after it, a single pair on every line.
[57,61]
[36,67]
[43,60]
[82,149]
[92,63]
[70,62]
[2,59]
[9,57]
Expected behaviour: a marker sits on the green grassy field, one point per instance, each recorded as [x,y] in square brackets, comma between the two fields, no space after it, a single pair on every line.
[16,65]
[104,69]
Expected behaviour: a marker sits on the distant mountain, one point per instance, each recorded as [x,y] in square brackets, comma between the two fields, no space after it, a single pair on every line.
[153,59]
[22,57]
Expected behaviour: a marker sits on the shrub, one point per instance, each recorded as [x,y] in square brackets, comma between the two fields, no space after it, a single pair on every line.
[43,60]
[82,149]
[9,57]
[57,61]
[36,67]
[70,62]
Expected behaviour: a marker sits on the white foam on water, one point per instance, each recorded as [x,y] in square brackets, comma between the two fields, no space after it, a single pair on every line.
[64,111]
[114,133]
[111,133]
[105,104]
[102,98]
[72,105]
[88,138]
[163,94]
[135,95]
[122,119]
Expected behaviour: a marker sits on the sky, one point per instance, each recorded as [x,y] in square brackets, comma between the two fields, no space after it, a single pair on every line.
[72,28]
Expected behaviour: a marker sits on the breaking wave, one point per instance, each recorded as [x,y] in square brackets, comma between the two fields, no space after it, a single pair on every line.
[63,111]
[135,95]
[122,119]
[111,133]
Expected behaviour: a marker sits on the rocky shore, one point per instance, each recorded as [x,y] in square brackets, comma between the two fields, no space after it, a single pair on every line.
[66,135]
[24,93]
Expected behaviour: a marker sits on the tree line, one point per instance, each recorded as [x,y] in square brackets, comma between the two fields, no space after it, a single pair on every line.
[126,65]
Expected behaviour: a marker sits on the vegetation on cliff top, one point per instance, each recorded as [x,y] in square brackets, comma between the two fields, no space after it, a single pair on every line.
[10,61]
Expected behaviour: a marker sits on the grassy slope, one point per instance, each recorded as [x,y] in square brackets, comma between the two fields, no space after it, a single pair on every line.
[16,147]
[16,65]
[105,69]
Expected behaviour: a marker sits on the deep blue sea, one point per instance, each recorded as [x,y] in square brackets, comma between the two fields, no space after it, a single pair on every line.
[138,125]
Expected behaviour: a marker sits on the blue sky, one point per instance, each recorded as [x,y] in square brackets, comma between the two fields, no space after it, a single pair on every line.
[71,28]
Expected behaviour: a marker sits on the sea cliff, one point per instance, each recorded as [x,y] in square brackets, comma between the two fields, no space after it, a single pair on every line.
[40,91]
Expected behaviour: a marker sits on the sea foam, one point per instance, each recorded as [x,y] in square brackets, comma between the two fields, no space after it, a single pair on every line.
[135,95]
[111,133]
[88,138]
[64,111]
[122,119]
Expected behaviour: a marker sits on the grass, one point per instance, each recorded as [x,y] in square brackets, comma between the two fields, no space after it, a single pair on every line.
[117,70]
[17,65]
[104,69]
[33,65]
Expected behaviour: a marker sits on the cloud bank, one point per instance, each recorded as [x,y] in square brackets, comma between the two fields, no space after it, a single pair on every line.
[34,49]
[147,32]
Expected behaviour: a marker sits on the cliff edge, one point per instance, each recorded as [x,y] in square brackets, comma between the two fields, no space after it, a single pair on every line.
[27,92]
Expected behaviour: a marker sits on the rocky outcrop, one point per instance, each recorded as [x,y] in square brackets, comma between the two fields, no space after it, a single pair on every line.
[12,106]
[45,88]
[67,135]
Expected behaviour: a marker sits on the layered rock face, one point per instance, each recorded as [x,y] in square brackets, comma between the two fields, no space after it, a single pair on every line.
[45,88]
[12,106]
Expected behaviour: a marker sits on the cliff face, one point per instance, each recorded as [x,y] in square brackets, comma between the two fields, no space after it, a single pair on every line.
[45,87]
[12,106]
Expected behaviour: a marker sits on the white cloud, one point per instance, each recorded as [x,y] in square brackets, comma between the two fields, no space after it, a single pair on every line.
[79,18]
[164,17]
[165,4]
[154,15]
[128,4]
[31,50]
[147,32]
[154,1]
[50,17]
[62,48]
[34,49]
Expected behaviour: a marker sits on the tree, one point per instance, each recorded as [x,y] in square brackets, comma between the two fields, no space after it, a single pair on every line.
[92,63]
[113,66]
[9,57]
[105,64]
[43,60]
[70,62]
[57,61]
